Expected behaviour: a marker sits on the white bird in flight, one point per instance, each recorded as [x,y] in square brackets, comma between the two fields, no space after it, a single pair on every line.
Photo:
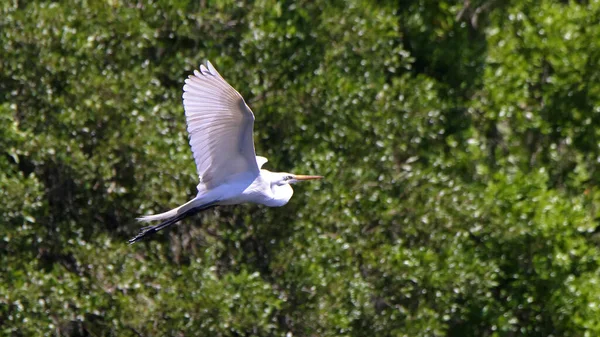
[220,123]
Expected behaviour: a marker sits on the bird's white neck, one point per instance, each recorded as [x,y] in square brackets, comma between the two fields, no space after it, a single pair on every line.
[281,191]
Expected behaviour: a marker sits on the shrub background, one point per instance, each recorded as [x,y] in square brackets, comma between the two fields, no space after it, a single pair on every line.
[460,141]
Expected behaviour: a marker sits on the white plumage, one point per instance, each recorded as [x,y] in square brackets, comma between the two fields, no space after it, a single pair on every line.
[220,126]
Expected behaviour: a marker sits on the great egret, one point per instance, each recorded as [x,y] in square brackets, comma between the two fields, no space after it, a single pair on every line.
[220,123]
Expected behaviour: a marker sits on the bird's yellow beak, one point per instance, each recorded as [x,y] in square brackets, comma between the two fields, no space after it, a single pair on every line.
[300,177]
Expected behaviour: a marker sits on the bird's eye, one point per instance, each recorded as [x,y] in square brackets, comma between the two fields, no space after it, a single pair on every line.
[289,178]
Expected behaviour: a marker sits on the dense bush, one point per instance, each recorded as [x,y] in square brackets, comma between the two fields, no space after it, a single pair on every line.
[460,141]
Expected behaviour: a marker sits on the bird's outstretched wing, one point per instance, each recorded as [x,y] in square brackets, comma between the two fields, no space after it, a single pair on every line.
[220,127]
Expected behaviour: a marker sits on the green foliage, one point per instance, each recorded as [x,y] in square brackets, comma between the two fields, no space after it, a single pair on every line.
[459,140]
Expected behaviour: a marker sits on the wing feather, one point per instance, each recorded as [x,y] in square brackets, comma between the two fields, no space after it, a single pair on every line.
[220,126]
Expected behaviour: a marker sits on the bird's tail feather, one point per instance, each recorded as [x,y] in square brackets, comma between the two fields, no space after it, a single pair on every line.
[173,216]
[169,214]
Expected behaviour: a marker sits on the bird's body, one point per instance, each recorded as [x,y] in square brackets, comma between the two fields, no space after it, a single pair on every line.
[220,126]
[257,190]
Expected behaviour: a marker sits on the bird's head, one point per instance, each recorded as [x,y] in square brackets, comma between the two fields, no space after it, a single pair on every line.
[284,178]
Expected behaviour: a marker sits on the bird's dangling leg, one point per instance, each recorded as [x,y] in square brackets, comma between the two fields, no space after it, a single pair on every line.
[150,230]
